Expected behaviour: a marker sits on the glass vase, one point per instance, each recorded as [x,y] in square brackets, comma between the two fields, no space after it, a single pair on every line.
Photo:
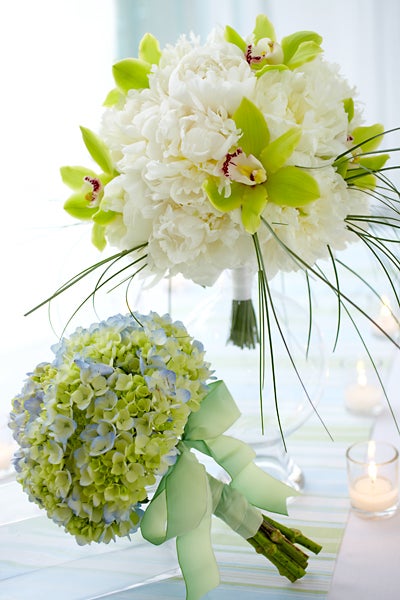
[298,358]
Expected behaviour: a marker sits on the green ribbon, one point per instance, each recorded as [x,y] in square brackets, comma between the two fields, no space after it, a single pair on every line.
[188,496]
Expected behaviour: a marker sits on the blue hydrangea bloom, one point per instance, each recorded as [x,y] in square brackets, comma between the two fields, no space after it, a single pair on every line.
[99,424]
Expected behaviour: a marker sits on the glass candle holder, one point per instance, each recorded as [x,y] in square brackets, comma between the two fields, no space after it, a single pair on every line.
[373,477]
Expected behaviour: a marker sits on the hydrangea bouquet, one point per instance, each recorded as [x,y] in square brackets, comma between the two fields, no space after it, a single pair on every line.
[237,154]
[105,434]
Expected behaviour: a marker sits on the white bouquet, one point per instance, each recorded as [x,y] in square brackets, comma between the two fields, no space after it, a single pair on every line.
[236,154]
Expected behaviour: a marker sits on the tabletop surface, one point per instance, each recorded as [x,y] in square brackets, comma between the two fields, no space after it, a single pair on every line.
[357,555]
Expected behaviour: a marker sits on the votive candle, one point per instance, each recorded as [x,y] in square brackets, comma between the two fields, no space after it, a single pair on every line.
[363,397]
[386,320]
[372,469]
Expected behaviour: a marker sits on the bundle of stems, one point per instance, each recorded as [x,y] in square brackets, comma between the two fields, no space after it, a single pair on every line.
[277,543]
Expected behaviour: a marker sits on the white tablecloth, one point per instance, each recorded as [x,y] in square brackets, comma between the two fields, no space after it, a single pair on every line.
[367,566]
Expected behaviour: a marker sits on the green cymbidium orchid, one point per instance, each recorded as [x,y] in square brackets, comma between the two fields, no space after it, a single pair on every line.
[86,203]
[132,73]
[266,54]
[358,165]
[88,186]
[258,171]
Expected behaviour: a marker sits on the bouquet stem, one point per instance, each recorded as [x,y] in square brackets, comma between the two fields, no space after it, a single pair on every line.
[244,330]
[269,538]
[274,541]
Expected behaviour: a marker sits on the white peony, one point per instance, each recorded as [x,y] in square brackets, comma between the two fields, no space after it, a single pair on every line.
[168,140]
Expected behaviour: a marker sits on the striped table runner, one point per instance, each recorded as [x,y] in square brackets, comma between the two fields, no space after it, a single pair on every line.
[36,555]
[39,561]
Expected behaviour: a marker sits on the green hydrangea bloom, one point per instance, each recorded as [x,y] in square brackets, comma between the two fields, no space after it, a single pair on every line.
[98,425]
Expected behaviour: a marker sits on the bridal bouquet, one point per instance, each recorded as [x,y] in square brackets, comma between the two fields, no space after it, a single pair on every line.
[242,154]
[105,433]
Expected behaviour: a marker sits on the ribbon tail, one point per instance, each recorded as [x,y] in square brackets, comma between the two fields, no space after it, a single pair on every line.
[182,507]
[154,521]
[197,560]
[263,490]
[236,457]
[180,502]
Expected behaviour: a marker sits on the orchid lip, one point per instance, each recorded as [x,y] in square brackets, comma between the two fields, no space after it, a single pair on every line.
[243,168]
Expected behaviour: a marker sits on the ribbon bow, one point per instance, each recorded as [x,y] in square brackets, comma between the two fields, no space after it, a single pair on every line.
[188,496]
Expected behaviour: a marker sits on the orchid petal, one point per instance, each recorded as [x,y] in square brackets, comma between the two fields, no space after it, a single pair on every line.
[292,186]
[113,97]
[78,206]
[348,105]
[306,52]
[267,68]
[98,237]
[243,168]
[103,217]
[97,150]
[73,177]
[218,200]
[131,74]
[341,167]
[233,37]
[149,49]
[255,133]
[263,29]
[363,176]
[374,163]
[254,201]
[274,156]
[291,45]
[368,138]
[359,178]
